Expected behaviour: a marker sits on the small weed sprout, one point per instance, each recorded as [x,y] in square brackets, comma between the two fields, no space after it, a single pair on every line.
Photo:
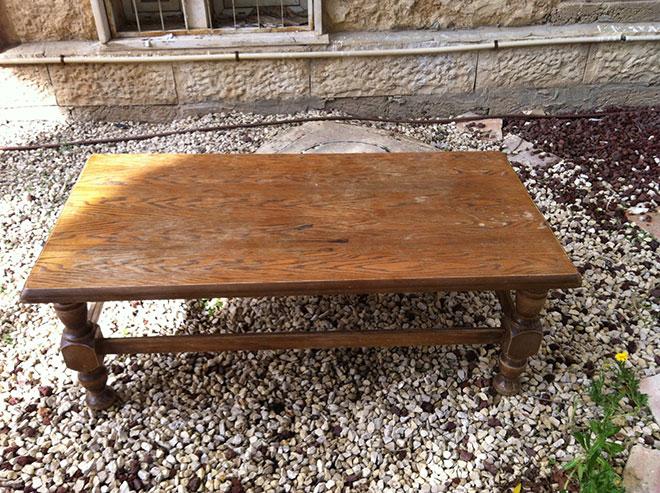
[212,305]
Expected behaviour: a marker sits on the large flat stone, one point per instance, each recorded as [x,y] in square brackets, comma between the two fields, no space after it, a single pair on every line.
[651,387]
[328,137]
[387,76]
[382,15]
[532,67]
[25,85]
[113,84]
[523,152]
[636,62]
[649,222]
[642,472]
[242,81]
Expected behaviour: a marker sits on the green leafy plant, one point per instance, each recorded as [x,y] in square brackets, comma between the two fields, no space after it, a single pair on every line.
[212,305]
[7,339]
[616,392]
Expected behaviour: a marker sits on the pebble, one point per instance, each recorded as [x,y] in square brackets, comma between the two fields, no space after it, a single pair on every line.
[401,419]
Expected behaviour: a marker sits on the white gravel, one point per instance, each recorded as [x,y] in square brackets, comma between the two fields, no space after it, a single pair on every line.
[404,419]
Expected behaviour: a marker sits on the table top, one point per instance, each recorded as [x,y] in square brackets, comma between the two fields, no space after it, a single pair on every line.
[193,226]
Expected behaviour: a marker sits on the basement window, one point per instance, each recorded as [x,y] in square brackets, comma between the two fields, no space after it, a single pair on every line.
[131,18]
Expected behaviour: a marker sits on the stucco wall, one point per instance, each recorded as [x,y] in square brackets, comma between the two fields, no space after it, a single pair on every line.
[22,21]
[372,15]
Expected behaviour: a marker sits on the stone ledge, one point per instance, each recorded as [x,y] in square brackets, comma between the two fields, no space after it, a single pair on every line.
[355,40]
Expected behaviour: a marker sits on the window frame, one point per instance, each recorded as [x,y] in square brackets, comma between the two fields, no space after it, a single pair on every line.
[205,37]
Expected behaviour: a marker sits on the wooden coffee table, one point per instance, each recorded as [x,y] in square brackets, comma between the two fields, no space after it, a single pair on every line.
[164,226]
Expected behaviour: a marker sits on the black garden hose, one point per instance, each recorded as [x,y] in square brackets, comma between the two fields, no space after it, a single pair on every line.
[234,126]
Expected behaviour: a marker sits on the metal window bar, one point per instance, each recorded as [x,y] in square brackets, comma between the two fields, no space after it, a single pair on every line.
[209,14]
[310,14]
[185,14]
[137,16]
[160,12]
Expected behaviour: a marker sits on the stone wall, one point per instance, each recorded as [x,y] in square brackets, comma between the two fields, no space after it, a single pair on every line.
[374,15]
[585,11]
[559,77]
[23,21]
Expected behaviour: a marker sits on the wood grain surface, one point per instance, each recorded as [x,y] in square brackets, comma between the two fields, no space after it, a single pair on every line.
[188,226]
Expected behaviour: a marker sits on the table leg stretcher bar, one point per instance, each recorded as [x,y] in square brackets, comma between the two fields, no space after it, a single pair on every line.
[298,340]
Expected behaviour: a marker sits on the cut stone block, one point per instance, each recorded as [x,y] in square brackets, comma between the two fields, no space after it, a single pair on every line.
[244,81]
[329,137]
[642,472]
[588,11]
[623,62]
[392,76]
[382,15]
[651,387]
[522,152]
[532,67]
[47,20]
[113,84]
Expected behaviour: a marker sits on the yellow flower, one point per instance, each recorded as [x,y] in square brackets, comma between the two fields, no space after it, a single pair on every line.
[622,357]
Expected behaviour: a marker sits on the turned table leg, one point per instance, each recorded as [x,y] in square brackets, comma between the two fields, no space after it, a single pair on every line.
[78,349]
[522,339]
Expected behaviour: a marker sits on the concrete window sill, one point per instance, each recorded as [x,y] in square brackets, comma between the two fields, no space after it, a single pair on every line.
[212,41]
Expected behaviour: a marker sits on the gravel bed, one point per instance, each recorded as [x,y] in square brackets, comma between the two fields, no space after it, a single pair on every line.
[385,420]
[618,155]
